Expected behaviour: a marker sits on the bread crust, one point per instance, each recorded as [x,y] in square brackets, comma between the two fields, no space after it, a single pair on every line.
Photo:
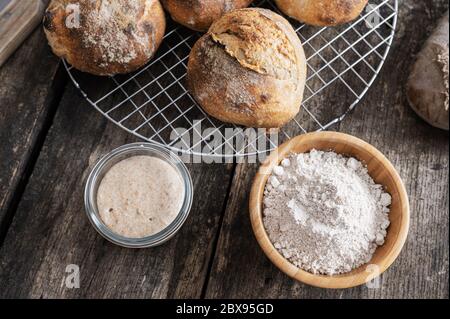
[322,12]
[111,37]
[198,15]
[238,77]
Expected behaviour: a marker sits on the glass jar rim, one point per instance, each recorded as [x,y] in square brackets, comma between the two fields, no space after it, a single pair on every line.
[95,177]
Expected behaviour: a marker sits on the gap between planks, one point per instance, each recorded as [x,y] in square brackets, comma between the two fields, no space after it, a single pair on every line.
[217,235]
[59,83]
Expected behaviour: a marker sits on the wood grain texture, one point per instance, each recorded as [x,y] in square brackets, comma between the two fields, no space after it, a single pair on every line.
[50,229]
[418,151]
[17,19]
[27,92]
[3,3]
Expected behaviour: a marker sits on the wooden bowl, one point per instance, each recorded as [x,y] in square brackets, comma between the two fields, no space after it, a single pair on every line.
[380,169]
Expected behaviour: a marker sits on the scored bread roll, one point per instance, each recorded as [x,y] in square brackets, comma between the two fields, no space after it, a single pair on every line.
[200,14]
[249,69]
[105,37]
[322,12]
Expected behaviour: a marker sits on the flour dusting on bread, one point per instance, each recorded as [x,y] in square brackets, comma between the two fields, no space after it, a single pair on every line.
[442,58]
[110,28]
[112,36]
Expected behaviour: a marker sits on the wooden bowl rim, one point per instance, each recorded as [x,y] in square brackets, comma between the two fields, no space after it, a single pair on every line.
[333,282]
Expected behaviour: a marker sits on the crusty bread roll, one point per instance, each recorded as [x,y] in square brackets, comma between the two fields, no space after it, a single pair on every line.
[322,12]
[428,83]
[200,14]
[105,37]
[249,69]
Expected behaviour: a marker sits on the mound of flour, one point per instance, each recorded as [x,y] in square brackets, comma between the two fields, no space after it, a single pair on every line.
[324,213]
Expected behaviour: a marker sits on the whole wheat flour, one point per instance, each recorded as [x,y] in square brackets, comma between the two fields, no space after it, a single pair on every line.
[324,213]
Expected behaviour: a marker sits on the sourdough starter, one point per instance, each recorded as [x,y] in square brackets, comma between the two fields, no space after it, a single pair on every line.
[140,196]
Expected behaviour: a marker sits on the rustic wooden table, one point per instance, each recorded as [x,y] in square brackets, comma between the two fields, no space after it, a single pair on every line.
[50,137]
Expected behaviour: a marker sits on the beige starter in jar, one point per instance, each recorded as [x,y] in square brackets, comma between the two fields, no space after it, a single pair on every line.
[140,196]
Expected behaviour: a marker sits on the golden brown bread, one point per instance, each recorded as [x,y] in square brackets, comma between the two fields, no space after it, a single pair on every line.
[322,12]
[249,69]
[105,37]
[200,14]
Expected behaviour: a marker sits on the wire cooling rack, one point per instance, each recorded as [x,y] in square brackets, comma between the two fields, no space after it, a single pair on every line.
[154,104]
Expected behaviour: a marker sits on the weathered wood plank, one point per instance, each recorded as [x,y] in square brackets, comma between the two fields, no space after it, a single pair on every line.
[17,21]
[27,93]
[50,229]
[418,151]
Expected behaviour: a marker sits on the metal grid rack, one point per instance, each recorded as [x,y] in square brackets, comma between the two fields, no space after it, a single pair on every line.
[151,103]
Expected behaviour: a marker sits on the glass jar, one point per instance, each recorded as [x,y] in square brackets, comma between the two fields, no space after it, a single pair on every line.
[117,155]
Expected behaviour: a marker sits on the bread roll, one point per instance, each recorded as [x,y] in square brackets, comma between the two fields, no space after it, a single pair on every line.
[428,83]
[200,14]
[322,12]
[105,37]
[249,69]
